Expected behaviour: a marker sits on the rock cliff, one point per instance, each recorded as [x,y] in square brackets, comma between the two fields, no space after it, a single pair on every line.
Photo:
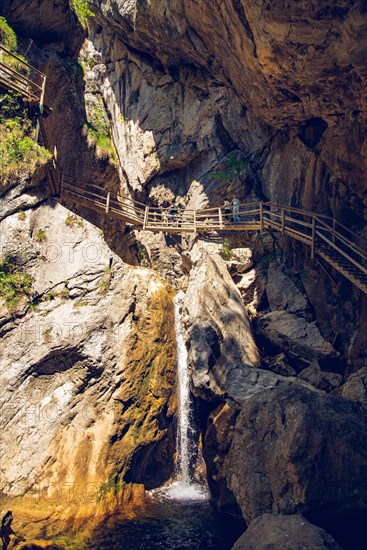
[190,102]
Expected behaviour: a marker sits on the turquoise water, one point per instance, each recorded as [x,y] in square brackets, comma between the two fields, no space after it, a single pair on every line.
[172,525]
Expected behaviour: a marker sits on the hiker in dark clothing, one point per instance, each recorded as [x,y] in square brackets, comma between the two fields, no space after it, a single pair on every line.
[6,530]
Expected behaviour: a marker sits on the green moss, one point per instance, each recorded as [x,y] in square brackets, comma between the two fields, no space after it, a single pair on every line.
[8,38]
[114,485]
[21,216]
[233,165]
[64,293]
[82,10]
[15,283]
[72,220]
[98,132]
[122,119]
[226,251]
[105,281]
[81,303]
[40,235]
[47,334]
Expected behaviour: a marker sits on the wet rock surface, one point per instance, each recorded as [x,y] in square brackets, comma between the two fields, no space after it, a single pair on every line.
[287,532]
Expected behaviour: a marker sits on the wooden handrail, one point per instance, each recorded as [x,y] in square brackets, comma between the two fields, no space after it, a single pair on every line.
[25,63]
[309,228]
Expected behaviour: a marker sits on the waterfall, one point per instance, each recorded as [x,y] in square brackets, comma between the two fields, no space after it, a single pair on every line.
[185,487]
[184,401]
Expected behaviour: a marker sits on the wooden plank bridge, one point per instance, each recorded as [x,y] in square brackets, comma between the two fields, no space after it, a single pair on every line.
[328,239]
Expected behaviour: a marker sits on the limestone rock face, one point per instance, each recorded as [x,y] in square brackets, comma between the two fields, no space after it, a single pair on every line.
[287,532]
[87,365]
[295,67]
[297,451]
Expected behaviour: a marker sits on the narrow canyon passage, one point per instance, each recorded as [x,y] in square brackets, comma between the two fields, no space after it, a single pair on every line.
[183,274]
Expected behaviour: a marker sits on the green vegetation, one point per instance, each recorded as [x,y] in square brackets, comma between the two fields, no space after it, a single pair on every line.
[64,293]
[8,38]
[15,284]
[232,167]
[40,236]
[72,220]
[98,133]
[226,251]
[106,280]
[81,303]
[21,215]
[114,485]
[19,154]
[47,334]
[82,10]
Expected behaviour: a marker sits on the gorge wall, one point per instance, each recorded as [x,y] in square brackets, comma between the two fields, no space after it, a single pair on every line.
[264,100]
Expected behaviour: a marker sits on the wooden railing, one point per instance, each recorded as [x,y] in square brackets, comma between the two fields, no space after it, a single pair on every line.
[331,240]
[322,234]
[20,76]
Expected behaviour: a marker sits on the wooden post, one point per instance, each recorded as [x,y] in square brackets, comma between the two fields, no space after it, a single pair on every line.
[261,216]
[283,221]
[313,242]
[146,217]
[41,105]
[194,222]
[220,218]
[108,202]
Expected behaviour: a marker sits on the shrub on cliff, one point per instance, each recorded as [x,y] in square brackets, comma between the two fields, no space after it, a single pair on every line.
[15,284]
[8,38]
[82,10]
[19,154]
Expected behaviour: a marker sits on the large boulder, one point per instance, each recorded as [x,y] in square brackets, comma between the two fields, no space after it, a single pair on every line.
[292,334]
[325,381]
[284,533]
[216,444]
[222,352]
[355,388]
[299,451]
[282,292]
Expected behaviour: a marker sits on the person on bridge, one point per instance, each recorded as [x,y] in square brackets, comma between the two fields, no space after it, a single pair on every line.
[236,210]
[227,211]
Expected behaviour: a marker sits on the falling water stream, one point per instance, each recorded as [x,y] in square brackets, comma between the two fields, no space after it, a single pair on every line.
[185,487]
[178,516]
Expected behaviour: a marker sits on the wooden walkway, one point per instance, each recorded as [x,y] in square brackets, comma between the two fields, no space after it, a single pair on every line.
[21,77]
[328,239]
